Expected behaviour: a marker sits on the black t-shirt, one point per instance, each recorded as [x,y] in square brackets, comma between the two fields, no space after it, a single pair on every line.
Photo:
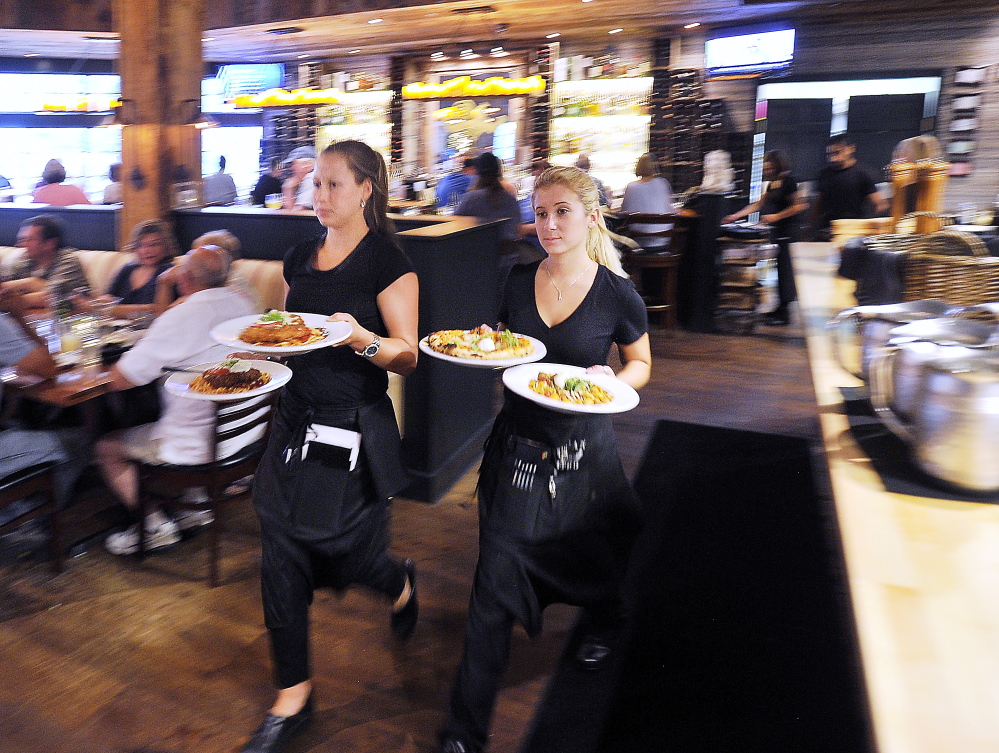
[779,196]
[845,194]
[335,378]
[611,313]
[267,185]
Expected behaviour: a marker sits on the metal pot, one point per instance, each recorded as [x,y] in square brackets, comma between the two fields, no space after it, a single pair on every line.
[912,345]
[874,324]
[954,428]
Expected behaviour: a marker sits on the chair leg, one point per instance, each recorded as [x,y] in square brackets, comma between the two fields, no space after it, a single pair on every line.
[213,548]
[55,534]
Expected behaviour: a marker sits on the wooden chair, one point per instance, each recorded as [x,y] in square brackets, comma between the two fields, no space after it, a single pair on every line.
[234,422]
[662,298]
[33,480]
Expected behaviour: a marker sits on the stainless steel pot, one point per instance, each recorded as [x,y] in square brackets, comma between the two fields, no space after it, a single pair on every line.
[911,345]
[953,426]
[874,323]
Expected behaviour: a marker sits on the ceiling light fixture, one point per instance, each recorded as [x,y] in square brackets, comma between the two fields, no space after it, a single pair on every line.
[615,31]
[498,52]
[439,55]
[686,26]
[374,20]
[553,35]
[468,54]
[208,39]
[31,54]
[303,55]
[353,52]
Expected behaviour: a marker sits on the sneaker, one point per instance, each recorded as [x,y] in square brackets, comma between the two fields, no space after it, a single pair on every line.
[188,519]
[164,535]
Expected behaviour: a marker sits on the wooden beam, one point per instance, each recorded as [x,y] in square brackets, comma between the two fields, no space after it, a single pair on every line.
[161,70]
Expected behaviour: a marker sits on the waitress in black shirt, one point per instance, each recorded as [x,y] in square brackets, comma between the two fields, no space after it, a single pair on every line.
[780,203]
[557,516]
[324,517]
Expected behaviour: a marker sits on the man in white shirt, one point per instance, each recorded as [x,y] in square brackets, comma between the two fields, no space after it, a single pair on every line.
[184,434]
[297,188]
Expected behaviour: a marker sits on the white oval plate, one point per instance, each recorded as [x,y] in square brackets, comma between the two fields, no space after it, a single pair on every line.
[540,351]
[227,333]
[518,380]
[179,381]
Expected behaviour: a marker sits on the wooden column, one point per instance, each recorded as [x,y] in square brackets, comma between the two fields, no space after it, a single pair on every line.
[161,70]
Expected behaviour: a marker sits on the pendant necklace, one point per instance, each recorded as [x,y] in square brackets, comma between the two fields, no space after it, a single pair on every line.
[552,279]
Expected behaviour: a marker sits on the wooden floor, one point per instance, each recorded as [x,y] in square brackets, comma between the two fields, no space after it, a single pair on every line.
[113,657]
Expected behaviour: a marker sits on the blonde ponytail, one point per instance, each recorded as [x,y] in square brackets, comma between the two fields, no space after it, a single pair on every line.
[599,245]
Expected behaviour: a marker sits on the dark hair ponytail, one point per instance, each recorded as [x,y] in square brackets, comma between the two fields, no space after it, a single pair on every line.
[367,164]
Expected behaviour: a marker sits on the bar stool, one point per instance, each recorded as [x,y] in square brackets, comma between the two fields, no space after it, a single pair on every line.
[659,295]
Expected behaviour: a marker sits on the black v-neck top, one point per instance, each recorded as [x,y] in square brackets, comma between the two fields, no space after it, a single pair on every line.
[611,313]
[334,378]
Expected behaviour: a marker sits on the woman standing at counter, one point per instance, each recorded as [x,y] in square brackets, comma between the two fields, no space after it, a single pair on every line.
[563,531]
[324,518]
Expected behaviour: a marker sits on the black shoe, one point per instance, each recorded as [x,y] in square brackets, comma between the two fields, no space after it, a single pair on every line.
[272,735]
[776,318]
[593,652]
[404,621]
[454,746]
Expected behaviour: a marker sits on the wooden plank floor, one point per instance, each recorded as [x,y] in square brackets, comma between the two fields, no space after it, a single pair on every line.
[113,657]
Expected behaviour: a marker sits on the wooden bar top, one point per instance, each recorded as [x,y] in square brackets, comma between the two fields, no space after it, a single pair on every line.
[923,572]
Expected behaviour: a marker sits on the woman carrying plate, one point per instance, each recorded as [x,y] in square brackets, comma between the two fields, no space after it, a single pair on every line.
[324,505]
[557,517]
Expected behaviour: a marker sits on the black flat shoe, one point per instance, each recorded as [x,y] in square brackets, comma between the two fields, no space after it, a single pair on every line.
[776,319]
[593,652]
[404,621]
[272,735]
[452,745]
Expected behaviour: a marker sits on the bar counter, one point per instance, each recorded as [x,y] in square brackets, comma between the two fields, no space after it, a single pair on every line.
[923,572]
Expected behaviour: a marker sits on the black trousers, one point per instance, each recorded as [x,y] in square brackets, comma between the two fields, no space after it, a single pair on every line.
[291,572]
[786,290]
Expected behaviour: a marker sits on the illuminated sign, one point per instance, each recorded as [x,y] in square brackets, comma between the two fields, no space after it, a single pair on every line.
[464,86]
[285,98]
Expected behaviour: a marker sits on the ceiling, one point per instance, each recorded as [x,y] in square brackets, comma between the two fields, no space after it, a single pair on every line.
[514,24]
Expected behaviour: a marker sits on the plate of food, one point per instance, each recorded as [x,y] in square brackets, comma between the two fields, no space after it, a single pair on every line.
[483,347]
[570,389]
[232,379]
[280,332]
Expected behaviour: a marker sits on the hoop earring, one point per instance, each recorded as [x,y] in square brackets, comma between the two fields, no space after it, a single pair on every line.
[362,203]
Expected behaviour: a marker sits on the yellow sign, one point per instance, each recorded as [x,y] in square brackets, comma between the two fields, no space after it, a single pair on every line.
[285,98]
[464,86]
[467,117]
[82,105]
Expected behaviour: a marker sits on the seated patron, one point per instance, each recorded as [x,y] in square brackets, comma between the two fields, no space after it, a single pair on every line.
[135,284]
[44,268]
[297,189]
[167,293]
[454,185]
[113,191]
[650,194]
[54,191]
[185,431]
[22,348]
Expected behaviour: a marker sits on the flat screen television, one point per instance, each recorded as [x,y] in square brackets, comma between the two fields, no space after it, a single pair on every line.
[249,78]
[748,52]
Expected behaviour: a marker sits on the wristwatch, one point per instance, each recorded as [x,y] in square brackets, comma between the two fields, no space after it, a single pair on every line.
[370,350]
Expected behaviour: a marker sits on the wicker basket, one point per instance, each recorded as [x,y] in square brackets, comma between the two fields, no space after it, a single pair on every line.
[952,266]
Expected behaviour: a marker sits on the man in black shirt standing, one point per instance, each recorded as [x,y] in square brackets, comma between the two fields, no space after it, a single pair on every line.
[846,189]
